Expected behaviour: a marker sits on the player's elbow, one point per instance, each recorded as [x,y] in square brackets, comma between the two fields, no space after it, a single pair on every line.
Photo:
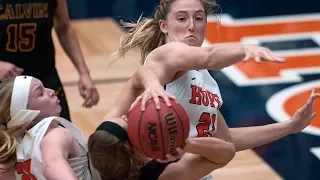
[227,153]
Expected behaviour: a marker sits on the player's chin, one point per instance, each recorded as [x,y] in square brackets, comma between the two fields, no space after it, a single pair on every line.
[58,109]
[193,43]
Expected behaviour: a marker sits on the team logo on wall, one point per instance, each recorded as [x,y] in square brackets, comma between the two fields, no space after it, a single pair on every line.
[295,37]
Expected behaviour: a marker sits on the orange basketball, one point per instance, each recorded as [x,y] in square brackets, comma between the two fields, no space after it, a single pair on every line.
[156,133]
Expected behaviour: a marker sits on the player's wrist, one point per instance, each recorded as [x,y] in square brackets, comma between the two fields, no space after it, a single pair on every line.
[84,72]
[151,84]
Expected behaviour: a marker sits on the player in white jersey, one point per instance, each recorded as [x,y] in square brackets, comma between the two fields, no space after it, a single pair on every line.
[33,144]
[199,94]
[171,40]
[113,156]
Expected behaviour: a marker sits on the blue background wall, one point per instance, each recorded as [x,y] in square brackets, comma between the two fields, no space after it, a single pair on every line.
[237,8]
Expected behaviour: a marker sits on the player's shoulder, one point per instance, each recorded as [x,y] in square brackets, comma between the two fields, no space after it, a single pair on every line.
[58,134]
[169,51]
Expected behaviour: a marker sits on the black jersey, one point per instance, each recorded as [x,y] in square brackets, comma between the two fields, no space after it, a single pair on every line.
[25,35]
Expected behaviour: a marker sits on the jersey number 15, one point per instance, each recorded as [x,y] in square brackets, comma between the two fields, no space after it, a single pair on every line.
[21,37]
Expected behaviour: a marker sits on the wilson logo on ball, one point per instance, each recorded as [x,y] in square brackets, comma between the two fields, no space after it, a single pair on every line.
[172,130]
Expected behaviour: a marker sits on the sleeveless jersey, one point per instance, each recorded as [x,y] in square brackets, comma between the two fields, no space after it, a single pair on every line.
[29,156]
[25,35]
[200,96]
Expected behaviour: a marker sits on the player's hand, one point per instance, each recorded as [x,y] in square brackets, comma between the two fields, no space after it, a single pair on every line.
[303,116]
[261,54]
[155,91]
[8,70]
[88,91]
[171,158]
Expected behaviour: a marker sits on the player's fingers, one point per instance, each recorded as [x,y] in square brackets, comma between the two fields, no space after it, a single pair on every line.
[88,103]
[95,96]
[247,57]
[138,99]
[170,157]
[180,152]
[12,73]
[313,115]
[257,59]
[156,100]
[82,91]
[165,97]
[171,96]
[17,70]
[144,100]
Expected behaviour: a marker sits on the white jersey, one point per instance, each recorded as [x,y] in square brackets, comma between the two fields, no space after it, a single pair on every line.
[29,156]
[200,96]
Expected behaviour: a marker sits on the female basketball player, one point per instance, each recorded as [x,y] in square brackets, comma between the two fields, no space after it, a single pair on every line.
[26,46]
[114,158]
[174,36]
[33,145]
[177,32]
[110,150]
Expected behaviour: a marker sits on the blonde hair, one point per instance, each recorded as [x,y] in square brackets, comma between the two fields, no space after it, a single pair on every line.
[146,33]
[8,142]
[113,158]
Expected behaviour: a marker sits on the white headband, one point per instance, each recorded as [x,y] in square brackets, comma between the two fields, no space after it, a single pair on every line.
[19,100]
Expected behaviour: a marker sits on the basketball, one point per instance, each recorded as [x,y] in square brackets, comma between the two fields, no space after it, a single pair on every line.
[157,132]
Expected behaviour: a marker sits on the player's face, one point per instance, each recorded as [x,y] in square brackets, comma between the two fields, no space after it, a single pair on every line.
[43,99]
[186,22]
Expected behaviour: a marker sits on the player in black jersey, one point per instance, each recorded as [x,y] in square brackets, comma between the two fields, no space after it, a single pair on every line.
[26,46]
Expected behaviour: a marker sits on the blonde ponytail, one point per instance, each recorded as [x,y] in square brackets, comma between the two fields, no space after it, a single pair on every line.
[8,145]
[145,34]
[8,141]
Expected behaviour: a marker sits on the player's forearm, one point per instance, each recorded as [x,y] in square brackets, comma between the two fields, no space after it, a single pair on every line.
[144,77]
[58,170]
[224,55]
[70,45]
[251,137]
[203,155]
[213,149]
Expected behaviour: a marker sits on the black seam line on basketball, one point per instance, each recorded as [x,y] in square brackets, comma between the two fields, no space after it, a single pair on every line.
[140,142]
[180,123]
[139,130]
[163,150]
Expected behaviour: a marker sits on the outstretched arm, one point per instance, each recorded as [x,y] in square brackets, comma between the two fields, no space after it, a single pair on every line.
[203,155]
[251,137]
[177,56]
